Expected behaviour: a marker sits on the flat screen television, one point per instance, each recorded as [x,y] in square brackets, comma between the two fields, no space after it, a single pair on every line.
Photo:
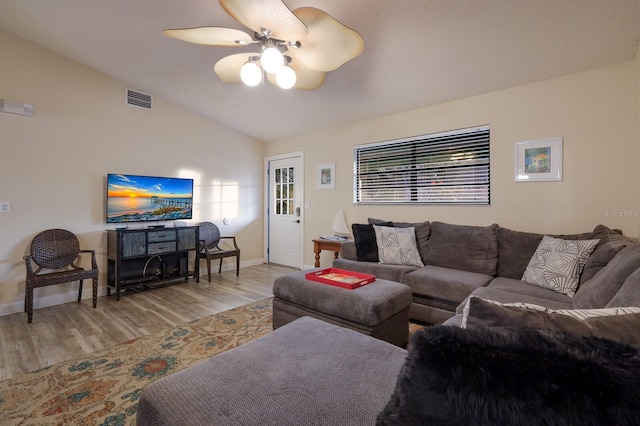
[133,198]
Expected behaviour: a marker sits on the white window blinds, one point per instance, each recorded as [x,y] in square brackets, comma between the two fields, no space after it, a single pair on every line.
[443,168]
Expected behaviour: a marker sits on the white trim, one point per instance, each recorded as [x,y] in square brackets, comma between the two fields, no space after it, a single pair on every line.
[426,136]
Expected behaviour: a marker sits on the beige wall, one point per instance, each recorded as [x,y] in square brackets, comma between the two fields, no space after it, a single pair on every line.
[595,112]
[636,63]
[53,165]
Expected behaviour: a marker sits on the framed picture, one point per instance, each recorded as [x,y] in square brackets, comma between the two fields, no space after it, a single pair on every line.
[326,176]
[538,160]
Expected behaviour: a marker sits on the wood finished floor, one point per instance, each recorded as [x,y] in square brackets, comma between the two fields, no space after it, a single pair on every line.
[64,332]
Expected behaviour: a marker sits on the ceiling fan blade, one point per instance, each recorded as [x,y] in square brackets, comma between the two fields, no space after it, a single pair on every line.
[228,68]
[329,43]
[213,36]
[306,78]
[271,14]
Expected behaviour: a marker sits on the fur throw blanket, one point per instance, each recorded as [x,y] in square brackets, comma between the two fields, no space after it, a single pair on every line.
[501,376]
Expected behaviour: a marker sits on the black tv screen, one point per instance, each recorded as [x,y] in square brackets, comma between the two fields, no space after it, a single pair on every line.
[133,198]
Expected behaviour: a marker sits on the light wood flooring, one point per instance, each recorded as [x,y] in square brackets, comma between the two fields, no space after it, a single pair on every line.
[64,332]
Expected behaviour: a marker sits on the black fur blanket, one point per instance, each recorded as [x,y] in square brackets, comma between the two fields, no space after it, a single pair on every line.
[499,376]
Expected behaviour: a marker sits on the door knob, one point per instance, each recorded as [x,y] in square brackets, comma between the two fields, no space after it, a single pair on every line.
[296,221]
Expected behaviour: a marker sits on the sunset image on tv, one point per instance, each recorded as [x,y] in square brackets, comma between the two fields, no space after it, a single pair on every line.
[132,198]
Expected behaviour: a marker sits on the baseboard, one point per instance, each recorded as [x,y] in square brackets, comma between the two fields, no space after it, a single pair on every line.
[72,295]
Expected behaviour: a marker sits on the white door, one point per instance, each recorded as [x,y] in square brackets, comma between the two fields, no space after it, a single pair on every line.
[285,212]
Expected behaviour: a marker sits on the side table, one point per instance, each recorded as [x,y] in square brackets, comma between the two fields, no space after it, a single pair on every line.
[329,245]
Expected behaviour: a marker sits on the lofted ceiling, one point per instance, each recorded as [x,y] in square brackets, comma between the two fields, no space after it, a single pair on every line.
[417,53]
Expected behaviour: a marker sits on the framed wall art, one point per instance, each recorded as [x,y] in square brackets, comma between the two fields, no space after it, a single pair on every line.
[326,178]
[538,160]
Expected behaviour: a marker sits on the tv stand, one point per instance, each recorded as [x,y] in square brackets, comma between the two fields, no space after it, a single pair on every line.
[139,258]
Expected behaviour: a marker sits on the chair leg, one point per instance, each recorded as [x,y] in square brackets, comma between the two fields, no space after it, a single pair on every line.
[220,268]
[29,303]
[209,268]
[80,292]
[95,292]
[237,265]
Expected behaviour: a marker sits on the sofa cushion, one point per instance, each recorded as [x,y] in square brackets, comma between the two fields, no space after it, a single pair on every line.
[364,237]
[501,376]
[423,231]
[611,243]
[468,248]
[397,246]
[386,272]
[619,324]
[599,290]
[515,249]
[452,285]
[519,287]
[557,263]
[629,293]
[537,298]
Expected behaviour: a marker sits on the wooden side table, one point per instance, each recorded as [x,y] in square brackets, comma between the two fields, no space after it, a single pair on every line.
[329,245]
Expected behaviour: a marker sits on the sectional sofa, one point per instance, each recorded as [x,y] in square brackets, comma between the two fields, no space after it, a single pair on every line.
[457,261]
[509,351]
[310,372]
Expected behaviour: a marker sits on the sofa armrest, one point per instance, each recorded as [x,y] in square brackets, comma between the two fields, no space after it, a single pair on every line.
[348,250]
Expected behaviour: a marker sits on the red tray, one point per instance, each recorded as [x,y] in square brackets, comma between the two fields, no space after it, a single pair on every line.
[341,278]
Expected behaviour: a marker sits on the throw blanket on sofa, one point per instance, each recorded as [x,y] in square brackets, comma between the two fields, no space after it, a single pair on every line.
[502,376]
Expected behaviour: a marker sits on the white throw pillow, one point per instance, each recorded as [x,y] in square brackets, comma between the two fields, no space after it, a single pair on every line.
[397,246]
[557,264]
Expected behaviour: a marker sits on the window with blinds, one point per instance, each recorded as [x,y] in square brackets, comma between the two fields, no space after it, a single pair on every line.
[443,168]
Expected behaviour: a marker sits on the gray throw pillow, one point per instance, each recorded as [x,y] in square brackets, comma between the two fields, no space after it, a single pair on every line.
[617,324]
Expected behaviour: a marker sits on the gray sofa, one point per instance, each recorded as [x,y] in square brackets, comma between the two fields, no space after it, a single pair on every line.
[489,262]
[310,372]
[507,365]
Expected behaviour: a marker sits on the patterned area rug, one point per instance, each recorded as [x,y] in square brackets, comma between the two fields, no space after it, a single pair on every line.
[103,388]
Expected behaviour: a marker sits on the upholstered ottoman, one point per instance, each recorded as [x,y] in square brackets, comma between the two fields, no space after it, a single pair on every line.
[379,309]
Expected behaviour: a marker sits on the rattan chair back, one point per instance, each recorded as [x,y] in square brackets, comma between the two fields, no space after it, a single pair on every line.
[210,234]
[55,248]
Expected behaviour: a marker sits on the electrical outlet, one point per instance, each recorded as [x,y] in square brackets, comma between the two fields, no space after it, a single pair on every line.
[4,206]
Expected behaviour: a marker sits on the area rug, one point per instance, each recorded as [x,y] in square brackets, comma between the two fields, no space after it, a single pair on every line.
[103,388]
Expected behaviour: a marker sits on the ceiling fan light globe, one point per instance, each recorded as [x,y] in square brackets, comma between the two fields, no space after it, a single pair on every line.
[272,60]
[251,74]
[286,78]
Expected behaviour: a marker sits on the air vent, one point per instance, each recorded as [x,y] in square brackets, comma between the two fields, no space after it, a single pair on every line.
[139,99]
[16,108]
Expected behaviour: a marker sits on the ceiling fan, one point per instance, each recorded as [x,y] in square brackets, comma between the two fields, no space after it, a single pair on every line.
[296,48]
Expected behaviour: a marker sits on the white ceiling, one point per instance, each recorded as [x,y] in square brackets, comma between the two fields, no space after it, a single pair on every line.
[417,52]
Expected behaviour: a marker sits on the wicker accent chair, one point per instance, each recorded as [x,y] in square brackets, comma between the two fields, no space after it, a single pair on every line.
[209,249]
[54,253]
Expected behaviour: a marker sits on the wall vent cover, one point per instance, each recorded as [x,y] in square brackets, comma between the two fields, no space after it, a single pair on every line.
[139,99]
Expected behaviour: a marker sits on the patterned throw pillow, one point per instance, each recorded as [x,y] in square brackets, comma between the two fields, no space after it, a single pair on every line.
[397,246]
[557,264]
